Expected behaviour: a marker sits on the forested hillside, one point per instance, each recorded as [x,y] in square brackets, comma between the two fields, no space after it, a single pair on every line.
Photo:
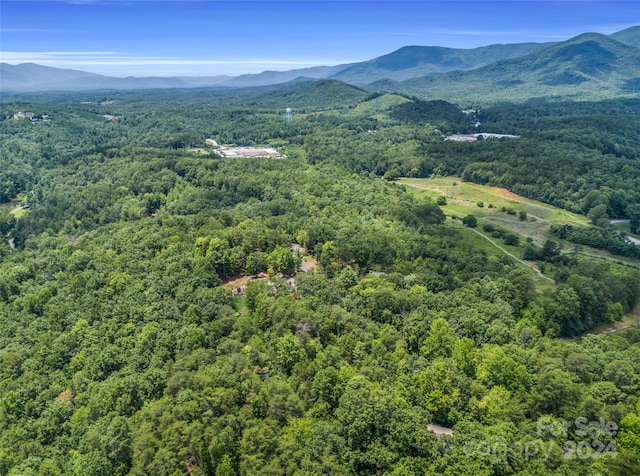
[125,347]
[588,67]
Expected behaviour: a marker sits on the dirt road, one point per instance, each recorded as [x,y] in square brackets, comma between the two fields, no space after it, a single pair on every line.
[508,253]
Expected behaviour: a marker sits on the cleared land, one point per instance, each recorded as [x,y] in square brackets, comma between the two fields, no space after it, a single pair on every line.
[463,199]
[15,207]
[631,319]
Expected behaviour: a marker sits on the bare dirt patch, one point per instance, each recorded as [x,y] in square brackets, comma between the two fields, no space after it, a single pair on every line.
[238,282]
[65,396]
[440,430]
[308,263]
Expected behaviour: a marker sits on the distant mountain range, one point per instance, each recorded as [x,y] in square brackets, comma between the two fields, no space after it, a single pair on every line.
[590,61]
[267,78]
[415,61]
[34,77]
[589,66]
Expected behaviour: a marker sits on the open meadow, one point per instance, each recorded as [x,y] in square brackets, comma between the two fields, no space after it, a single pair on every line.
[495,205]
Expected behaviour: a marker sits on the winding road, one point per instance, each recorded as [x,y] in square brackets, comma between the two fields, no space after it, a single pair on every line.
[508,253]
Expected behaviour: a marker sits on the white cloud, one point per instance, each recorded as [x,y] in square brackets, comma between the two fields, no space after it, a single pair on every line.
[107,57]
[109,62]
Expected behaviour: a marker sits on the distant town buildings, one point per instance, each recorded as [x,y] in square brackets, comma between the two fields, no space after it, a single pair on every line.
[23,115]
[31,116]
[474,137]
[238,152]
[235,152]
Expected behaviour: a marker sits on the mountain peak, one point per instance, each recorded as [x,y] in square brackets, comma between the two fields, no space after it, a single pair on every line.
[414,61]
[590,35]
[589,66]
[630,36]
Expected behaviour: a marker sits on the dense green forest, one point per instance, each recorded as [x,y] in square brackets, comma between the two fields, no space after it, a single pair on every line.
[123,351]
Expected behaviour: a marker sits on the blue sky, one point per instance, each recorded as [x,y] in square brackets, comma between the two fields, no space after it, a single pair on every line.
[205,37]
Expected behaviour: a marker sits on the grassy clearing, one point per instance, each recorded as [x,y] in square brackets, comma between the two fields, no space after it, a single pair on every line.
[14,206]
[379,106]
[625,228]
[19,211]
[631,319]
[483,241]
[473,239]
[14,203]
[463,198]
